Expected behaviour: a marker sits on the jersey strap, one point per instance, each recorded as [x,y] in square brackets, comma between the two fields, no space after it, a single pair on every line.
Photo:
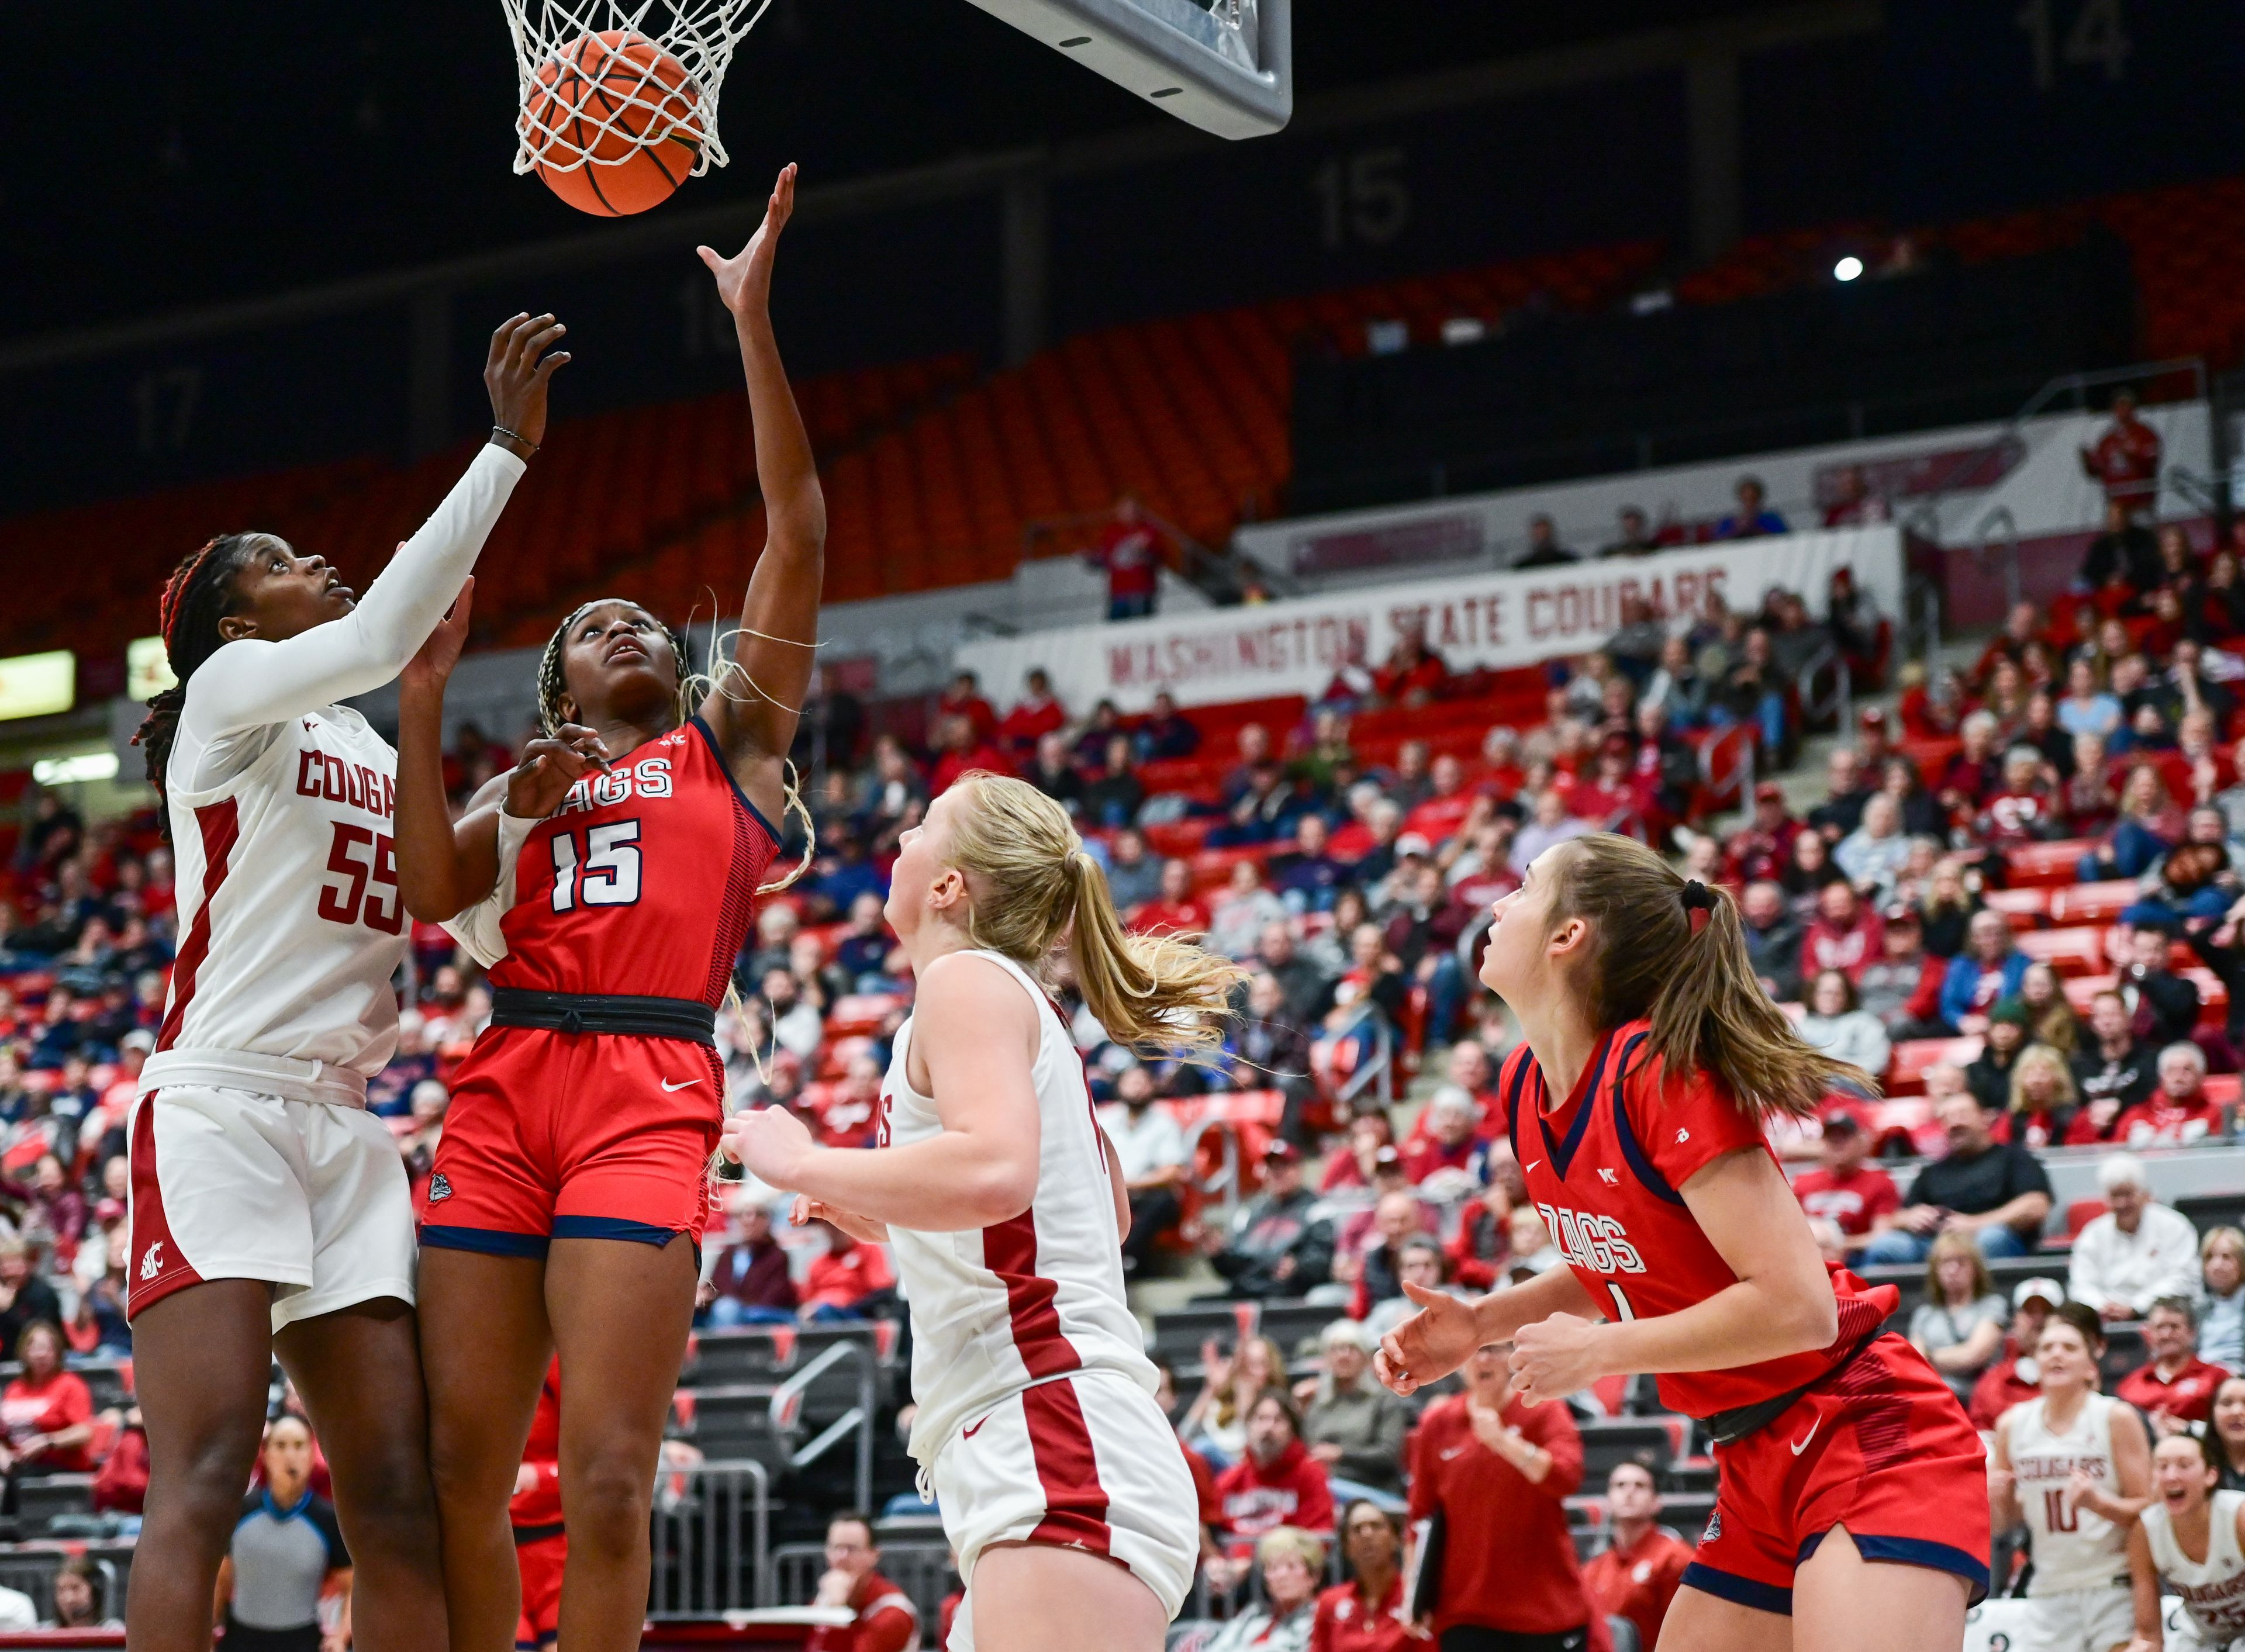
[617,1012]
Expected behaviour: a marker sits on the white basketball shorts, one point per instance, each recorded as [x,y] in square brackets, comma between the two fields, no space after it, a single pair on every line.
[1086,1462]
[2079,1620]
[233,1184]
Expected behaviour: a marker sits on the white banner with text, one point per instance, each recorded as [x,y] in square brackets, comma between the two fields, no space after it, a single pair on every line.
[1497,618]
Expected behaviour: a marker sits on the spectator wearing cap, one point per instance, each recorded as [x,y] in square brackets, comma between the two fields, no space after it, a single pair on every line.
[1998,1193]
[1987,971]
[1989,1074]
[1367,1613]
[1637,1573]
[2173,1388]
[2112,1071]
[1352,1423]
[749,1283]
[1761,848]
[1959,1325]
[2137,1252]
[1274,1248]
[2014,1379]
[2179,1112]
[1499,1472]
[1150,1154]
[1843,1187]
[1276,1482]
[1838,1025]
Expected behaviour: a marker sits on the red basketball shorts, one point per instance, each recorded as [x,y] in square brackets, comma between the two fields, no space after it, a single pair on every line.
[562,1136]
[541,1562]
[1881,1447]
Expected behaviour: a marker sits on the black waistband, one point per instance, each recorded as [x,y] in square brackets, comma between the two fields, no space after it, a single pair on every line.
[649,1018]
[538,1534]
[1727,1427]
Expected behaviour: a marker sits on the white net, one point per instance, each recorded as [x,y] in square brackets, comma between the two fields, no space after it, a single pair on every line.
[598,81]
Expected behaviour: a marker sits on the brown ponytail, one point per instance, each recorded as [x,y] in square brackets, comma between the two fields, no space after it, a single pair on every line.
[1652,957]
[1031,887]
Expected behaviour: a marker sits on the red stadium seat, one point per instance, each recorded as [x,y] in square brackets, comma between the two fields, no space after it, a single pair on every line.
[2069,951]
[1913,1056]
[861,1013]
[2045,865]
[2026,908]
[2092,903]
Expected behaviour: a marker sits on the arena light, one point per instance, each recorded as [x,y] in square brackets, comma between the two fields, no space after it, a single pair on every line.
[1848,269]
[37,685]
[70,771]
[147,668]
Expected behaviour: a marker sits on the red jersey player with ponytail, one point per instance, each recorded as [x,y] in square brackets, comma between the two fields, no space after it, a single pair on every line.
[1854,1495]
[609,899]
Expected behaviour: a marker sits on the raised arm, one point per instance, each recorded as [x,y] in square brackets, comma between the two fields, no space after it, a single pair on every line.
[976,1031]
[252,681]
[755,707]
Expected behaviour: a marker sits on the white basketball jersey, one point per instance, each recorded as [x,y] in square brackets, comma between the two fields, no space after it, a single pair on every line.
[997,1309]
[290,923]
[2073,1548]
[2213,1590]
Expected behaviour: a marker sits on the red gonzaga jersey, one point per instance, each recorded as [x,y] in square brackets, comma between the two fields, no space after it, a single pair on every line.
[641,883]
[1604,1170]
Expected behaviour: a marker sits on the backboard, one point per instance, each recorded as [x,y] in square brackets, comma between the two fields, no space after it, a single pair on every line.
[1226,66]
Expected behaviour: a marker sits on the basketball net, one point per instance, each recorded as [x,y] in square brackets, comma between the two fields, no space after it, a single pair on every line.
[640,108]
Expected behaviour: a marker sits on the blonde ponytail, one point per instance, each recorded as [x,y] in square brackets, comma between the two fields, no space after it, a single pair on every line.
[1032,888]
[1651,957]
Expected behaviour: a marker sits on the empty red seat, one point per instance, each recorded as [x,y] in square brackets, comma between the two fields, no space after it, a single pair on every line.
[2069,951]
[2026,908]
[2045,865]
[1913,1056]
[2092,903]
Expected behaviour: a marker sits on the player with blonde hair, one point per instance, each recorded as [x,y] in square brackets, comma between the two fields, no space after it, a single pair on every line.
[1060,1484]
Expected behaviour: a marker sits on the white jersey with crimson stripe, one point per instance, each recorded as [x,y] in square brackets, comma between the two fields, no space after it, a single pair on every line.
[996,1310]
[290,924]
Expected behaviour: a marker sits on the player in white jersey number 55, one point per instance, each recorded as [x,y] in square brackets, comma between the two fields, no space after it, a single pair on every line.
[1061,1485]
[270,1212]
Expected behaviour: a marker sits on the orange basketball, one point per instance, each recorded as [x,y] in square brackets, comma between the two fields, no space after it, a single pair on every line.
[614,123]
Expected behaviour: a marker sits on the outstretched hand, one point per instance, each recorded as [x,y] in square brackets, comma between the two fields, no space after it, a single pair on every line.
[1430,1344]
[516,372]
[744,279]
[432,664]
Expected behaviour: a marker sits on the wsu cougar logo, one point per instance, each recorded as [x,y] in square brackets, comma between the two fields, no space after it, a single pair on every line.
[151,1260]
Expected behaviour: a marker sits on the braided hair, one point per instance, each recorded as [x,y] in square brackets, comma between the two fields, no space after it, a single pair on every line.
[691,683]
[199,594]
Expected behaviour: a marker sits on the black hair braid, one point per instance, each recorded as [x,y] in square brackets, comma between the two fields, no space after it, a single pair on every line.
[196,598]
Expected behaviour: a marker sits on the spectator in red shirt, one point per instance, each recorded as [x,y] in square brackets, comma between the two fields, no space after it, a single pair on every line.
[1439,817]
[1368,1613]
[47,1413]
[2175,1387]
[838,1285]
[887,1621]
[841,1113]
[964,698]
[1035,715]
[1763,848]
[1499,1473]
[2124,460]
[1852,1194]
[1276,1482]
[1177,910]
[2014,1379]
[1609,799]
[2178,1112]
[1414,674]
[1129,548]
[1847,935]
[1636,1575]
[964,751]
[1973,774]
[1452,1120]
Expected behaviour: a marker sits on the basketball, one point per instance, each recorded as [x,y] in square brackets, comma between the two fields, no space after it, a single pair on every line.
[614,123]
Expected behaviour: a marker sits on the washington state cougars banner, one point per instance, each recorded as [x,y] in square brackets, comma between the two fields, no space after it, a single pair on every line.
[1497,618]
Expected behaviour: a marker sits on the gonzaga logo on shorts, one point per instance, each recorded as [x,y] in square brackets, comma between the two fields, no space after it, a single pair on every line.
[439,1189]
